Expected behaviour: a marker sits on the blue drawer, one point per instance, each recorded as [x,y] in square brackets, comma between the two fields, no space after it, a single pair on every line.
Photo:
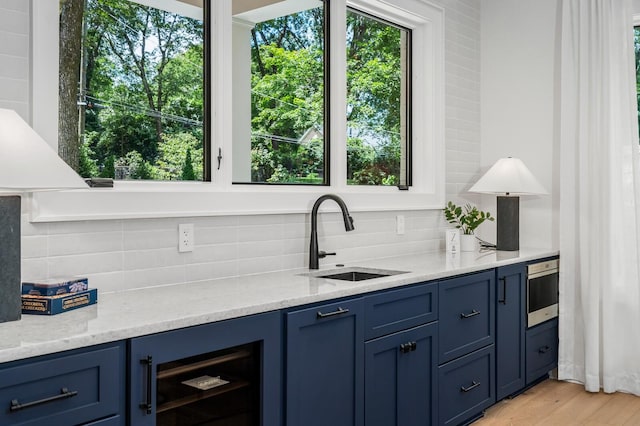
[402,309]
[466,313]
[466,386]
[64,390]
[542,350]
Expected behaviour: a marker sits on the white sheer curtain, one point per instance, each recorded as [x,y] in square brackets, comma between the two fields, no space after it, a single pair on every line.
[599,198]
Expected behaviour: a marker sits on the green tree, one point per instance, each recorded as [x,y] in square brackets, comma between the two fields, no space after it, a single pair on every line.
[173,151]
[187,170]
[109,168]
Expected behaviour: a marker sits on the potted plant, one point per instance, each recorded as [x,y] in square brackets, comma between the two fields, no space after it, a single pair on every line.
[466,219]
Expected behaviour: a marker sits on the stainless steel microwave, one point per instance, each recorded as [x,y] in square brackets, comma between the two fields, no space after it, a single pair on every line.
[542,291]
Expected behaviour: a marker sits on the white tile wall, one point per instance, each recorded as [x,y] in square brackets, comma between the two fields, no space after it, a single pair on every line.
[15,90]
[124,254]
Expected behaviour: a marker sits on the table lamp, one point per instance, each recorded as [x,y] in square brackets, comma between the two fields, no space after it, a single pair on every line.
[508,178]
[27,164]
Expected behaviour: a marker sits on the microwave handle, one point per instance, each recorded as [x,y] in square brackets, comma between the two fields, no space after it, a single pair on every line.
[503,280]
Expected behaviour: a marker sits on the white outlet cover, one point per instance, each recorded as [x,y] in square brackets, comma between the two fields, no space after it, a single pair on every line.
[186,237]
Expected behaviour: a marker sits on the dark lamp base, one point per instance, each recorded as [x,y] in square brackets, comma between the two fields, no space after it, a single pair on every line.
[508,223]
[10,300]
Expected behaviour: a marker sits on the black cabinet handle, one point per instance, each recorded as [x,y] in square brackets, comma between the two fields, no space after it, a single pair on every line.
[474,385]
[339,311]
[64,394]
[147,405]
[408,347]
[470,314]
[503,280]
[544,349]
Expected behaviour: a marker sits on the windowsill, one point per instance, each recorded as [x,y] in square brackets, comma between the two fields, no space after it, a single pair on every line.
[135,200]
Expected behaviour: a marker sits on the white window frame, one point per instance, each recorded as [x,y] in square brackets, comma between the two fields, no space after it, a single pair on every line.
[131,199]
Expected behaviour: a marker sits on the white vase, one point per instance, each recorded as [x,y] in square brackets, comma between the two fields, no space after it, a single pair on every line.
[468,242]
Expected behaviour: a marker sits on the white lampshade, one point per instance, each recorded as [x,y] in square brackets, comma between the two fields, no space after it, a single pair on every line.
[508,176]
[27,162]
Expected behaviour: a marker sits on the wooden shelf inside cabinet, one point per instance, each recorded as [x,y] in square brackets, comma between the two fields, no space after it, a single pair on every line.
[174,371]
[238,384]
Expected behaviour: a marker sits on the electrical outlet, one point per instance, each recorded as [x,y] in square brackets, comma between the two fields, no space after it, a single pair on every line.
[400,224]
[186,238]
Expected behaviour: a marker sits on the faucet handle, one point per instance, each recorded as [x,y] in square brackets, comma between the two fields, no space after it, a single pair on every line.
[322,254]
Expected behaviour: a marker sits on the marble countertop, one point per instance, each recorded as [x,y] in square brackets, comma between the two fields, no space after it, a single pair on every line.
[139,312]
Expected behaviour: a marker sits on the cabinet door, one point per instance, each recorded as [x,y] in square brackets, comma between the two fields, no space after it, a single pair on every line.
[325,368]
[542,350]
[149,355]
[466,314]
[466,387]
[400,378]
[510,329]
[63,389]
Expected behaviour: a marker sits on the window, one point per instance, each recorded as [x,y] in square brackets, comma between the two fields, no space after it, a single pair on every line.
[279,94]
[378,107]
[132,92]
[420,21]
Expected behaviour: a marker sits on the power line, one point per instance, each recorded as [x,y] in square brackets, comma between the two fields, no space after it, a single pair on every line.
[146,111]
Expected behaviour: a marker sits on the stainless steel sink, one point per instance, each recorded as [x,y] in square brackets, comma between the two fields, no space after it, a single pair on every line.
[355,274]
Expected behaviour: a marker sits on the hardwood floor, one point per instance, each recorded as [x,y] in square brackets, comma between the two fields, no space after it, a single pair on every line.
[560,403]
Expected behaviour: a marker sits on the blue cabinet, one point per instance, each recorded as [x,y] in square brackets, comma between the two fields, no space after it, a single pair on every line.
[467,314]
[542,350]
[228,372]
[75,387]
[324,365]
[466,375]
[466,387]
[395,310]
[400,378]
[510,329]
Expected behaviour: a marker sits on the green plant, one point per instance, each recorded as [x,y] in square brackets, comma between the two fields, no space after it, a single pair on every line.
[466,218]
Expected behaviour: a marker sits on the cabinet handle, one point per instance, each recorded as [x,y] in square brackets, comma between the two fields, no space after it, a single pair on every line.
[474,385]
[470,314]
[544,349]
[503,280]
[408,347]
[147,405]
[64,394]
[339,311]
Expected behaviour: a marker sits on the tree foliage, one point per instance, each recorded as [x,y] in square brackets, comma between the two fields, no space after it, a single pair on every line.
[288,99]
[143,86]
[141,97]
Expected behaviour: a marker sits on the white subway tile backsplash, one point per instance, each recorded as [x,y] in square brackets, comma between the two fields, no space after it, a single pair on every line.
[85,264]
[14,5]
[152,239]
[151,258]
[14,44]
[82,243]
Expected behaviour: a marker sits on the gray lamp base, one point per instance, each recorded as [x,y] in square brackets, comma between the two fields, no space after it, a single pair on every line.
[508,223]
[10,300]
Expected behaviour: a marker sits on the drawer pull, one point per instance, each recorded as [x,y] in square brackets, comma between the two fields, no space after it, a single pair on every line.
[469,315]
[339,311]
[474,385]
[64,394]
[408,347]
[147,406]
[544,349]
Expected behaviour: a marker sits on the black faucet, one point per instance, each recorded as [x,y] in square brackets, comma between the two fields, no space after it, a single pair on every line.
[314,254]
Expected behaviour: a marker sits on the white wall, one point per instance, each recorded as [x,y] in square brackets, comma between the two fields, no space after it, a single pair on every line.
[519,95]
[123,254]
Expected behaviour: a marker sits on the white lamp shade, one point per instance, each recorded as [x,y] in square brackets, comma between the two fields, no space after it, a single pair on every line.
[508,176]
[27,162]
